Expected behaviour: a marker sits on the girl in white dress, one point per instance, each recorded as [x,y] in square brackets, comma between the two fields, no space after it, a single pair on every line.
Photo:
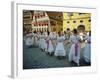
[87,49]
[36,39]
[29,41]
[45,38]
[54,40]
[42,42]
[46,43]
[60,51]
[74,54]
[40,34]
[49,45]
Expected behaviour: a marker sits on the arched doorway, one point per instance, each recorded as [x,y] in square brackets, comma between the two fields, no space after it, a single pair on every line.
[81,28]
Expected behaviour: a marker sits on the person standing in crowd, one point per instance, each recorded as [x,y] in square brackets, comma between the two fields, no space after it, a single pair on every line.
[36,39]
[87,49]
[67,34]
[60,51]
[42,41]
[54,40]
[50,48]
[81,36]
[47,42]
[74,54]
[29,40]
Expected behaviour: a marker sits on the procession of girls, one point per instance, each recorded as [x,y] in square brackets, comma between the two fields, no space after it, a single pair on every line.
[54,44]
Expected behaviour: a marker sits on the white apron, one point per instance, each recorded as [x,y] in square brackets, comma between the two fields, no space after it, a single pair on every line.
[74,54]
[87,50]
[60,50]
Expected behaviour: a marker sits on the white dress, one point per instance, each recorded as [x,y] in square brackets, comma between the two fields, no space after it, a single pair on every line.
[87,50]
[46,39]
[29,41]
[74,54]
[36,40]
[54,40]
[42,42]
[60,51]
[46,43]
[39,40]
[50,46]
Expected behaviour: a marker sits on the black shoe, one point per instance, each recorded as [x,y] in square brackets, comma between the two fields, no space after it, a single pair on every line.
[59,57]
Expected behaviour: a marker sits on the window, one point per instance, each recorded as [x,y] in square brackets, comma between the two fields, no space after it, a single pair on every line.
[81,13]
[89,20]
[74,21]
[68,22]
[81,21]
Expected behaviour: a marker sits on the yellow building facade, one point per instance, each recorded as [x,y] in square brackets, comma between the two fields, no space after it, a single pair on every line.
[73,20]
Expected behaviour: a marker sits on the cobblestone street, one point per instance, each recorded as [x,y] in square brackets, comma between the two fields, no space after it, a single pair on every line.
[34,58]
